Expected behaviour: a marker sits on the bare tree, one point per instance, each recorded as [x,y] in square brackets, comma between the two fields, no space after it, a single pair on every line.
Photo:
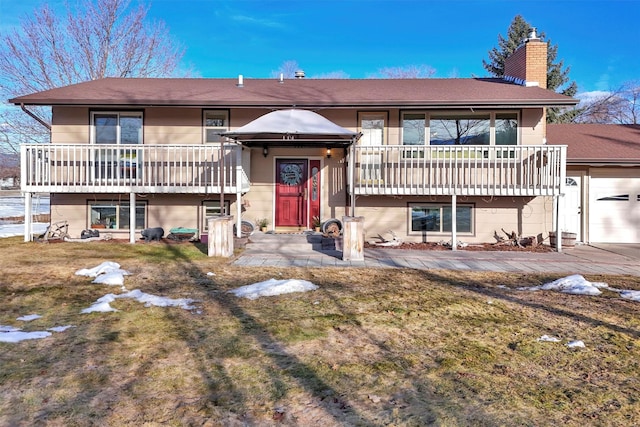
[408,72]
[621,106]
[287,69]
[94,40]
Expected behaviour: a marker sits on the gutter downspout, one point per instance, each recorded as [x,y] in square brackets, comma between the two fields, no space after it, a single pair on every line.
[35,117]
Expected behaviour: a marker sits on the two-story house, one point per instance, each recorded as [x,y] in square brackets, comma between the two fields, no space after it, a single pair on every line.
[430,159]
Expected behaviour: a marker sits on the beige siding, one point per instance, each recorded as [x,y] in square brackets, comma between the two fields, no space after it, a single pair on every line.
[523,215]
[70,125]
[164,125]
[166,211]
[173,126]
[532,126]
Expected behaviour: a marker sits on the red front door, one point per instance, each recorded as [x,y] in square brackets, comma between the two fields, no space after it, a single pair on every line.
[291,192]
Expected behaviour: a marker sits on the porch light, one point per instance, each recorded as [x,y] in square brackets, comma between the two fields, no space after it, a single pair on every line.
[328,152]
[265,151]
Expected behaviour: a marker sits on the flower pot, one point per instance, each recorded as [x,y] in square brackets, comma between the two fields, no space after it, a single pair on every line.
[568,239]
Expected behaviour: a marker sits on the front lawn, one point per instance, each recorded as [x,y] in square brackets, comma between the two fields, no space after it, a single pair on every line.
[368,347]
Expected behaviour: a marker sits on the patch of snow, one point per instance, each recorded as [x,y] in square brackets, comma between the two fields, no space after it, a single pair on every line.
[102,304]
[4,328]
[548,338]
[29,317]
[105,267]
[112,278]
[575,344]
[273,287]
[17,336]
[632,295]
[157,301]
[575,284]
[12,230]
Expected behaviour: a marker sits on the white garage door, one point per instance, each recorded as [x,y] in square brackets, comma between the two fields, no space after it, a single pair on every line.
[614,206]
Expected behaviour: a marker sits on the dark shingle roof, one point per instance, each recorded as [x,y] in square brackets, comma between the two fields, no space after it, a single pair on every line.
[588,143]
[298,93]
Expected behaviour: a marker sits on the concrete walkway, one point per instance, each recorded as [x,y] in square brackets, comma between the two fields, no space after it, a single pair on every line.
[312,250]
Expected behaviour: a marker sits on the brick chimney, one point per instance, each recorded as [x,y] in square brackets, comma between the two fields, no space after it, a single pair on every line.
[527,65]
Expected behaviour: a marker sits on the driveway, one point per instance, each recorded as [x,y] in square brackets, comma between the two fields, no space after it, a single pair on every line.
[627,250]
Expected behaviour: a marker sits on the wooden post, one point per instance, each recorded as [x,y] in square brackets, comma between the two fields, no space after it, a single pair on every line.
[132,217]
[353,238]
[220,238]
[454,223]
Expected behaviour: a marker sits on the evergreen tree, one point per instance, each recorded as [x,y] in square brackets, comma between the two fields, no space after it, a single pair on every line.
[557,74]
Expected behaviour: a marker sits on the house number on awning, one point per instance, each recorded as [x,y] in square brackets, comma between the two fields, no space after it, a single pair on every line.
[291,174]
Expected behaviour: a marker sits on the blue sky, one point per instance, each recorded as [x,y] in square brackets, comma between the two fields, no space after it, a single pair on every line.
[599,40]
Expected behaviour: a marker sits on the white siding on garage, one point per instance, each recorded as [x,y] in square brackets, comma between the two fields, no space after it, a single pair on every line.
[614,206]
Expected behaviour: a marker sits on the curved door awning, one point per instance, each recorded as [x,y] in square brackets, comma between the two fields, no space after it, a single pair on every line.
[292,128]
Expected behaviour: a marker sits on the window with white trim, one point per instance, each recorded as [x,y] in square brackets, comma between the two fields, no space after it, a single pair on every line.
[215,122]
[212,208]
[116,127]
[115,215]
[437,218]
[459,128]
[372,127]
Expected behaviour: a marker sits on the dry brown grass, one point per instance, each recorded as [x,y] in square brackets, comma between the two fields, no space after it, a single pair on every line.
[369,347]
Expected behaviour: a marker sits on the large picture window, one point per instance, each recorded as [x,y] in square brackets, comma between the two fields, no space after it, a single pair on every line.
[451,129]
[459,128]
[115,215]
[437,218]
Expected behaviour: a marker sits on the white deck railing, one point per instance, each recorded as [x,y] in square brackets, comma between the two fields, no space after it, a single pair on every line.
[72,168]
[461,170]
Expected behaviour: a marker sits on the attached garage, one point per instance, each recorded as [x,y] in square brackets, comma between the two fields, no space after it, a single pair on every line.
[603,164]
[614,206]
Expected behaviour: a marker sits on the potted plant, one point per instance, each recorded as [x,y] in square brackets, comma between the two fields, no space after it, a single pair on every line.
[316,223]
[262,223]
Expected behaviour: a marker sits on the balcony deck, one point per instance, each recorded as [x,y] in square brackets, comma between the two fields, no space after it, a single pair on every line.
[389,170]
[461,170]
[76,168]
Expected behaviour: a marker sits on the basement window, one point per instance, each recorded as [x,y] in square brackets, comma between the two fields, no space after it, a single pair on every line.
[115,215]
[212,208]
[437,218]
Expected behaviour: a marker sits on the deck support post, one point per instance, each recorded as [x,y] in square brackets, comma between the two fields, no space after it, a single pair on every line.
[28,222]
[556,222]
[454,221]
[132,217]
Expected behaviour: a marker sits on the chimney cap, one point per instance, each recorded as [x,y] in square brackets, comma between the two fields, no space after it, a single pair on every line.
[299,74]
[533,36]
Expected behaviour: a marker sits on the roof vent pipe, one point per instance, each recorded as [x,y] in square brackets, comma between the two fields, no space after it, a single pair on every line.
[240,81]
[299,74]
[281,78]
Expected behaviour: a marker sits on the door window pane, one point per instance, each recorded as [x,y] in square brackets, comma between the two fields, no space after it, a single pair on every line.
[106,128]
[130,129]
